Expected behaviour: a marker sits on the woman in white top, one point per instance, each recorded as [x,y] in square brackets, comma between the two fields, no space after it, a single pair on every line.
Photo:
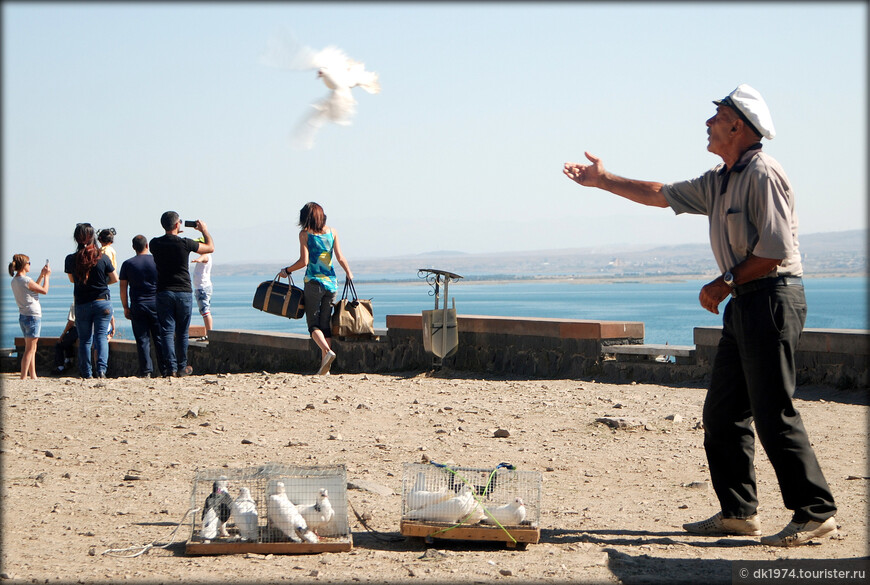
[27,292]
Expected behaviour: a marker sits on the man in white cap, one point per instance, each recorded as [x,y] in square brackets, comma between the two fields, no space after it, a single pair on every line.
[753,232]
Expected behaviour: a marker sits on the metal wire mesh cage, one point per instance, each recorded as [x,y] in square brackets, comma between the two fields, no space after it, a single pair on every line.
[269,504]
[500,497]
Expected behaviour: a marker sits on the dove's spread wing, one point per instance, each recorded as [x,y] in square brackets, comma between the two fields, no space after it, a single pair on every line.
[358,76]
[330,57]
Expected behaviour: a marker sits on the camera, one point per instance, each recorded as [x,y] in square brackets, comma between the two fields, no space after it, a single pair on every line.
[190,223]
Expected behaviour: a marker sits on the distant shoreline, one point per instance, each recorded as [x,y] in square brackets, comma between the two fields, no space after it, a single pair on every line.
[560,279]
[592,279]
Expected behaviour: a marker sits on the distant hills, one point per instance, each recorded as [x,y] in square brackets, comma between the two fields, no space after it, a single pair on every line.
[824,254]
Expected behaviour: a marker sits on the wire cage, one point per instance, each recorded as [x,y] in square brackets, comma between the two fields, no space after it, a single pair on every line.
[271,508]
[467,503]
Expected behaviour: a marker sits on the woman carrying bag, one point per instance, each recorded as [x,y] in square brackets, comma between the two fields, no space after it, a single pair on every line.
[318,245]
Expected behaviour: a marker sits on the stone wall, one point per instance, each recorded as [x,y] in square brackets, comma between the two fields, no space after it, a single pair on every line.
[537,348]
[831,357]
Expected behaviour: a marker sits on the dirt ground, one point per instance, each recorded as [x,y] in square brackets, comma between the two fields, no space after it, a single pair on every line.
[90,465]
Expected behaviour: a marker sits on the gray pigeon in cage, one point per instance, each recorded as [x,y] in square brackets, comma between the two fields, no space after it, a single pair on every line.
[319,514]
[419,497]
[218,503]
[283,514]
[509,514]
[451,510]
[245,514]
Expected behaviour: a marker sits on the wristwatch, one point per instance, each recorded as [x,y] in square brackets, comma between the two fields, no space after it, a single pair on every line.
[728,279]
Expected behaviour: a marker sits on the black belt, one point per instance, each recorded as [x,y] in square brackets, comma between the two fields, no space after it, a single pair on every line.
[761,283]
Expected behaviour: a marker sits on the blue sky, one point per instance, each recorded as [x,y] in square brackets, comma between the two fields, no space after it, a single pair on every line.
[114,113]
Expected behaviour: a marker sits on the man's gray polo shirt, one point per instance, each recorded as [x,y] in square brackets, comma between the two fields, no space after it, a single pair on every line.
[750,208]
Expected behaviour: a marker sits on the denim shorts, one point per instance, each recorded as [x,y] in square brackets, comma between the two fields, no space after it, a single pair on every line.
[203,300]
[30,326]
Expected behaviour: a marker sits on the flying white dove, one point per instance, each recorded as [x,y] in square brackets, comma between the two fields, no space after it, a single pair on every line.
[319,514]
[452,510]
[284,515]
[338,72]
[419,497]
[218,502]
[245,514]
[508,514]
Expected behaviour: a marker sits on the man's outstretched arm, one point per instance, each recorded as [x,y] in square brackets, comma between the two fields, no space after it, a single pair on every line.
[594,175]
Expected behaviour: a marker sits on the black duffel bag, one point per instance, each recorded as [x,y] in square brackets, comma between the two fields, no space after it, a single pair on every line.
[278,298]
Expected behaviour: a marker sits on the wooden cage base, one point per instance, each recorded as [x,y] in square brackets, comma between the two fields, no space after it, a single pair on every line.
[521,536]
[217,547]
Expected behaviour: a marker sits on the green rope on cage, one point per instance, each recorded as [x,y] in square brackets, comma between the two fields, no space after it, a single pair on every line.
[476,497]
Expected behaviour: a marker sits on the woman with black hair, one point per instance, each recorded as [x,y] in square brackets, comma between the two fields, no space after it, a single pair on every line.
[91,272]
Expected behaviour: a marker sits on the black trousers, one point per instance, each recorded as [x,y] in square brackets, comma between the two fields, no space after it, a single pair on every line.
[753,378]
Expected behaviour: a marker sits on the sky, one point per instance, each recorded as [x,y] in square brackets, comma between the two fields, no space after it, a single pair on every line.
[116,112]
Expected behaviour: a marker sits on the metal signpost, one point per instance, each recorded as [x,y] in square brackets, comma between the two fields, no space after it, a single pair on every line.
[440,335]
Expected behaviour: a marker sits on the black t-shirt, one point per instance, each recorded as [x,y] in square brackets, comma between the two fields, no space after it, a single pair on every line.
[97,286]
[171,254]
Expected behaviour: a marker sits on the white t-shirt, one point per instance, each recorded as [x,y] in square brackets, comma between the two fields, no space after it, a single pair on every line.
[27,300]
[202,273]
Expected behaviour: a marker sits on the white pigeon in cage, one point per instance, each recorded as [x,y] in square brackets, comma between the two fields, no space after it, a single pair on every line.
[420,497]
[245,515]
[338,72]
[508,514]
[283,514]
[451,510]
[210,523]
[218,503]
[319,514]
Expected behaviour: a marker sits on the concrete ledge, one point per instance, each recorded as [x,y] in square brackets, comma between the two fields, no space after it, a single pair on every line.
[832,357]
[531,326]
[273,339]
[848,341]
[650,349]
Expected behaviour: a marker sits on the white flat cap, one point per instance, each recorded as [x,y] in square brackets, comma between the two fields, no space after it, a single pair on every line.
[749,104]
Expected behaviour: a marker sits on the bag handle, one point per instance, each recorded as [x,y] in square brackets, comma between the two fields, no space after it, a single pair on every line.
[348,285]
[287,297]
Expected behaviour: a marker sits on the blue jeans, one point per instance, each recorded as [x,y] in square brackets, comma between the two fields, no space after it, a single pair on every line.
[143,320]
[92,323]
[173,313]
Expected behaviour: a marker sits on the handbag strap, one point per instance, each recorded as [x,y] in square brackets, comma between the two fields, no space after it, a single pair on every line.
[348,286]
[287,297]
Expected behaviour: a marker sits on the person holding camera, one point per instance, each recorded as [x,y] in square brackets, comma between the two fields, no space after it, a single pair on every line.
[171,254]
[27,291]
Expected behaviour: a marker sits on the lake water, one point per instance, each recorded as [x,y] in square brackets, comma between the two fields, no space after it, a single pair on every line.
[669,310]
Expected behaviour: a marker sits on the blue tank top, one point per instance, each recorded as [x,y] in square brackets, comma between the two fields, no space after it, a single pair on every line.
[320,260]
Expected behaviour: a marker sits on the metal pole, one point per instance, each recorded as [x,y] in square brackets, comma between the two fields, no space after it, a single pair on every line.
[444,318]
